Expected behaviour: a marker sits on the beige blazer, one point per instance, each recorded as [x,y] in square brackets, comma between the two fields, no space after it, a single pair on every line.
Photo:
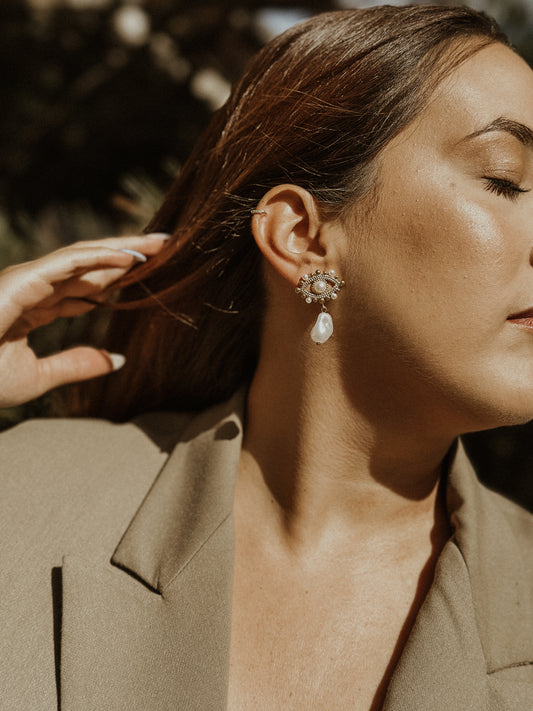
[116,572]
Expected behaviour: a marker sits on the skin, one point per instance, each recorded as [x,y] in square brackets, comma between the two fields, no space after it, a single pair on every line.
[36,293]
[339,517]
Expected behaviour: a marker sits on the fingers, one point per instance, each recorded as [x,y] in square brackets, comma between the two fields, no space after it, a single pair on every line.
[35,293]
[79,270]
[24,377]
[98,283]
[75,365]
[41,316]
[98,278]
[145,244]
[81,257]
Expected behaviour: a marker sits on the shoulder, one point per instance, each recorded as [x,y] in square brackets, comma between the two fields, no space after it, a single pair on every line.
[67,487]
[518,519]
[152,429]
[507,530]
[63,479]
[494,534]
[68,449]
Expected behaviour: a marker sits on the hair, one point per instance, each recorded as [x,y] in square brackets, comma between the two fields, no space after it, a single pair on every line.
[315,108]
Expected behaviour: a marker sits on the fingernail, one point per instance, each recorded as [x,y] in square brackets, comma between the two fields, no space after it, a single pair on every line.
[159,235]
[117,359]
[138,256]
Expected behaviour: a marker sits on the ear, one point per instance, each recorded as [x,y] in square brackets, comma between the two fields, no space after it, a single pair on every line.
[287,228]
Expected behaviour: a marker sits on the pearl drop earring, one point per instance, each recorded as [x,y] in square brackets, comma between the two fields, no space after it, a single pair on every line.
[319,288]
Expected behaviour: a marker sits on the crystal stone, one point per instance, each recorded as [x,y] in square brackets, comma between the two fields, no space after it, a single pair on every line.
[323,328]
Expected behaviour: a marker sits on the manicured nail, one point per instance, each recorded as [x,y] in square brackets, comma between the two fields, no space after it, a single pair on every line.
[138,256]
[117,359]
[159,235]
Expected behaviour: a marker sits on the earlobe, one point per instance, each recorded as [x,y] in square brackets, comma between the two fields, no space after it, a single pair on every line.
[286,228]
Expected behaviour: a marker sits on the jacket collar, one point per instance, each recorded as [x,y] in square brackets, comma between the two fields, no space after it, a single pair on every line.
[190,499]
[477,617]
[152,630]
[502,596]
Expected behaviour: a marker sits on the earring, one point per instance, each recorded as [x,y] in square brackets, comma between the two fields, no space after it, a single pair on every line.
[319,288]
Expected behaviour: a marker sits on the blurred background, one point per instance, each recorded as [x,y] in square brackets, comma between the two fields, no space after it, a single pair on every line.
[101,102]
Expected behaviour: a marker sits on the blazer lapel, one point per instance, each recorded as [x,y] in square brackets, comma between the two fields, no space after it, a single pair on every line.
[152,630]
[442,665]
[501,592]
[476,619]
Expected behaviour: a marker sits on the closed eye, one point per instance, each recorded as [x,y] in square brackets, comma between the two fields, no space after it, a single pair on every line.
[501,186]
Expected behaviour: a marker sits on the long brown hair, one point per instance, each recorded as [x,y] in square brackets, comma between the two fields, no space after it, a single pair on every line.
[314,108]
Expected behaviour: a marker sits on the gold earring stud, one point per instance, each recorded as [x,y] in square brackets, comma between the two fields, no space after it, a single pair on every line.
[320,287]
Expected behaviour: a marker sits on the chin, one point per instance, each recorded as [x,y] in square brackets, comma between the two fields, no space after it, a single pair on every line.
[503,414]
[497,404]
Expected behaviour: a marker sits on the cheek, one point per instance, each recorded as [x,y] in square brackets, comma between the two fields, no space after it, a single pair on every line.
[444,246]
[437,271]
[431,284]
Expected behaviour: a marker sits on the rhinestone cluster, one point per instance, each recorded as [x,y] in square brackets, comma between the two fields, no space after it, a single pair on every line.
[319,287]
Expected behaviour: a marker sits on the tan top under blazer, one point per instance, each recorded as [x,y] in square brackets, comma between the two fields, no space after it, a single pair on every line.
[116,575]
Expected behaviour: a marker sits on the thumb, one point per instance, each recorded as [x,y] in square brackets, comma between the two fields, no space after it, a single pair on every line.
[76,364]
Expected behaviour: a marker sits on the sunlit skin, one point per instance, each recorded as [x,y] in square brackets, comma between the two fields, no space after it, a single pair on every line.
[338,514]
[446,256]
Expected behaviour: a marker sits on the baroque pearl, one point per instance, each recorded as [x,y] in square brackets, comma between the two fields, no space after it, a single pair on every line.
[319,287]
[323,328]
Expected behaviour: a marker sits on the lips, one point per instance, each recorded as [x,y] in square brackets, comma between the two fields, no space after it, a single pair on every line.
[524,318]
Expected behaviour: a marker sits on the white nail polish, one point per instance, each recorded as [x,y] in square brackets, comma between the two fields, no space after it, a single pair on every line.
[117,359]
[138,255]
[159,235]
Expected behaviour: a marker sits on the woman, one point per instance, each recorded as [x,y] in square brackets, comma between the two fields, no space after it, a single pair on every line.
[340,553]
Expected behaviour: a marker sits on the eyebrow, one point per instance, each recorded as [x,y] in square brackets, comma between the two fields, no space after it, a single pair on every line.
[519,130]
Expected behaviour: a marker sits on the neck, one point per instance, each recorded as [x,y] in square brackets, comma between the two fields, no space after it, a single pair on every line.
[321,467]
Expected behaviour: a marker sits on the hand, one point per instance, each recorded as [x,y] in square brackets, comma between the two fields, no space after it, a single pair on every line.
[35,293]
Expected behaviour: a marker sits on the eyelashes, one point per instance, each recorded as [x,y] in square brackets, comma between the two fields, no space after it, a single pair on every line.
[503,187]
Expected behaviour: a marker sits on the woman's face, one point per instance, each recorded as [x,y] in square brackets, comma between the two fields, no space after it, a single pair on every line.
[439,266]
